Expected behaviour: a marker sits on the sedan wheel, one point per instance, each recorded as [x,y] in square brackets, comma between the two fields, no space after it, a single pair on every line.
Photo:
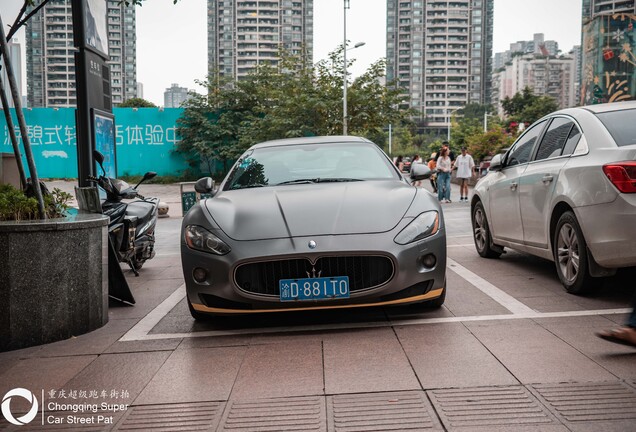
[481,233]
[570,256]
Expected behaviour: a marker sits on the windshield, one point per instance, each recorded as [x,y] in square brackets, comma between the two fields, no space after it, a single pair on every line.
[310,163]
[620,125]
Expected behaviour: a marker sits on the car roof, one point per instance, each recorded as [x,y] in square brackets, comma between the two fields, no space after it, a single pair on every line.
[602,108]
[311,140]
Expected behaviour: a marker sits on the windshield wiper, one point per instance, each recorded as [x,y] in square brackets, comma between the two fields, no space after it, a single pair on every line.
[248,186]
[337,179]
[318,180]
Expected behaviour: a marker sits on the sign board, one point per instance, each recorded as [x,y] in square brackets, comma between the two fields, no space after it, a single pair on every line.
[190,198]
[103,125]
[91,25]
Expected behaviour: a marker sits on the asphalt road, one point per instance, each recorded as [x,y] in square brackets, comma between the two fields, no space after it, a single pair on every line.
[509,350]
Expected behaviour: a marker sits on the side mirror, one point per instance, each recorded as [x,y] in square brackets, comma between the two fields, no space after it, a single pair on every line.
[149,175]
[420,172]
[99,158]
[204,185]
[495,163]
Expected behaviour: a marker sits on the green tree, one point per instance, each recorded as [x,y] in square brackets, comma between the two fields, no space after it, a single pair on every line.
[291,99]
[526,107]
[137,103]
[483,144]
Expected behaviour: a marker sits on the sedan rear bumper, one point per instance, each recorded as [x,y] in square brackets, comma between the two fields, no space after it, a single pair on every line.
[610,231]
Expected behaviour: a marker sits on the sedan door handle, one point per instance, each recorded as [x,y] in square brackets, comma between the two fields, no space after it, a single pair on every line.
[547,178]
[513,186]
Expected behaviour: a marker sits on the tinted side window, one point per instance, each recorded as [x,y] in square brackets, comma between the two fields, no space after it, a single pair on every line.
[554,139]
[573,140]
[522,150]
[621,125]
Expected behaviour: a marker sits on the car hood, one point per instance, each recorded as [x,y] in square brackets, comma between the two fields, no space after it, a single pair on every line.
[311,209]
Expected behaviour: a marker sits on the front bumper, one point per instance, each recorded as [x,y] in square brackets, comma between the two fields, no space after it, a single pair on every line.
[411,281]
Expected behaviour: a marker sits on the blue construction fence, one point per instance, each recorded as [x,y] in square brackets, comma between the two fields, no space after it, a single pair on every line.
[145,141]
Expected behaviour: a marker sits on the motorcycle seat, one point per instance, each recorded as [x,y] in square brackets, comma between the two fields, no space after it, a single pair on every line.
[142,210]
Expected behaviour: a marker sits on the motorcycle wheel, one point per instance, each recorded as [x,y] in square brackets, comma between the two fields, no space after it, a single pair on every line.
[137,264]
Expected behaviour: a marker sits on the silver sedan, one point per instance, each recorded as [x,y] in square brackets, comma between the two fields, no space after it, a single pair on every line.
[313,223]
[565,191]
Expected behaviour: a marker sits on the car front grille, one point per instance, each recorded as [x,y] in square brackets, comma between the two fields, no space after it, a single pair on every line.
[364,272]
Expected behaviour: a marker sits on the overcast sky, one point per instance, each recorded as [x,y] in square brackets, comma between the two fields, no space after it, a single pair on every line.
[172,39]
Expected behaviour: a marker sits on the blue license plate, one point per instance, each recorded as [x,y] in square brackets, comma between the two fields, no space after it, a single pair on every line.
[322,288]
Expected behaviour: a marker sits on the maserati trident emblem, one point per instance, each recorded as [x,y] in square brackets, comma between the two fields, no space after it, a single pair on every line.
[312,244]
[313,274]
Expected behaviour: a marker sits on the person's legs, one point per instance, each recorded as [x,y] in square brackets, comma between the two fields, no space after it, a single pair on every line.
[447,186]
[440,186]
[625,335]
[631,321]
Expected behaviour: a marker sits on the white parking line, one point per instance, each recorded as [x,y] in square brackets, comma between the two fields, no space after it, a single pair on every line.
[504,299]
[141,331]
[142,328]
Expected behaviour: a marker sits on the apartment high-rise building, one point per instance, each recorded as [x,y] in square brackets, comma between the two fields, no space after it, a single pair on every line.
[594,8]
[174,96]
[538,45]
[608,61]
[15,54]
[245,33]
[547,76]
[50,54]
[440,52]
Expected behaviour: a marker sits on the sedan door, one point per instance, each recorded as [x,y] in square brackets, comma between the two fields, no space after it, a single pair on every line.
[504,207]
[539,181]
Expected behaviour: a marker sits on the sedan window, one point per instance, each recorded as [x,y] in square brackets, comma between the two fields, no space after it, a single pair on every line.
[554,139]
[620,125]
[573,140]
[522,150]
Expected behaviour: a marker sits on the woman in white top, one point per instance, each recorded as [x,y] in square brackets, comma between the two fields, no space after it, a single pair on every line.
[443,176]
[465,166]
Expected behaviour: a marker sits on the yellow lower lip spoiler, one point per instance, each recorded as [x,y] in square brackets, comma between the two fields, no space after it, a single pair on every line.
[433,294]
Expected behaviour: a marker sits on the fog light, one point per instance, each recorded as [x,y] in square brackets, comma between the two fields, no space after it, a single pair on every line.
[429,260]
[200,275]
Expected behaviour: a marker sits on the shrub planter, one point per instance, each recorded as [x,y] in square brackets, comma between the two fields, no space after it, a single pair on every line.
[53,279]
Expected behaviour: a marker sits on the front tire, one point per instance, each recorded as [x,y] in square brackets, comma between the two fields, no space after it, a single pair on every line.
[481,233]
[570,256]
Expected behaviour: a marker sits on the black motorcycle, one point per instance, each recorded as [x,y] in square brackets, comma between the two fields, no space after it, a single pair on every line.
[132,225]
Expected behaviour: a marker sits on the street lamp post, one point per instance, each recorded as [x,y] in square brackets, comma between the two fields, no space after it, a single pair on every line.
[449,113]
[486,115]
[344,73]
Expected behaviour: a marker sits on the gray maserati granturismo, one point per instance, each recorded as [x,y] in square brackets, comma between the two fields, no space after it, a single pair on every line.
[313,223]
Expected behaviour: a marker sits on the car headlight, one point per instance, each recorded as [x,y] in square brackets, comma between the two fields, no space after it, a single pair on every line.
[425,225]
[198,238]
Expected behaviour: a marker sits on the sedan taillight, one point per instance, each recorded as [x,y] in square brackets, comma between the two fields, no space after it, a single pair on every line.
[622,175]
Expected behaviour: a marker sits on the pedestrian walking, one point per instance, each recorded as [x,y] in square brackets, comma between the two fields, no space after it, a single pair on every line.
[444,166]
[465,166]
[399,163]
[625,335]
[432,165]
[451,155]
[415,160]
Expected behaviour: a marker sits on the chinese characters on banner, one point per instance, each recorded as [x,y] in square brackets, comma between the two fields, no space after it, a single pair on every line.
[145,141]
